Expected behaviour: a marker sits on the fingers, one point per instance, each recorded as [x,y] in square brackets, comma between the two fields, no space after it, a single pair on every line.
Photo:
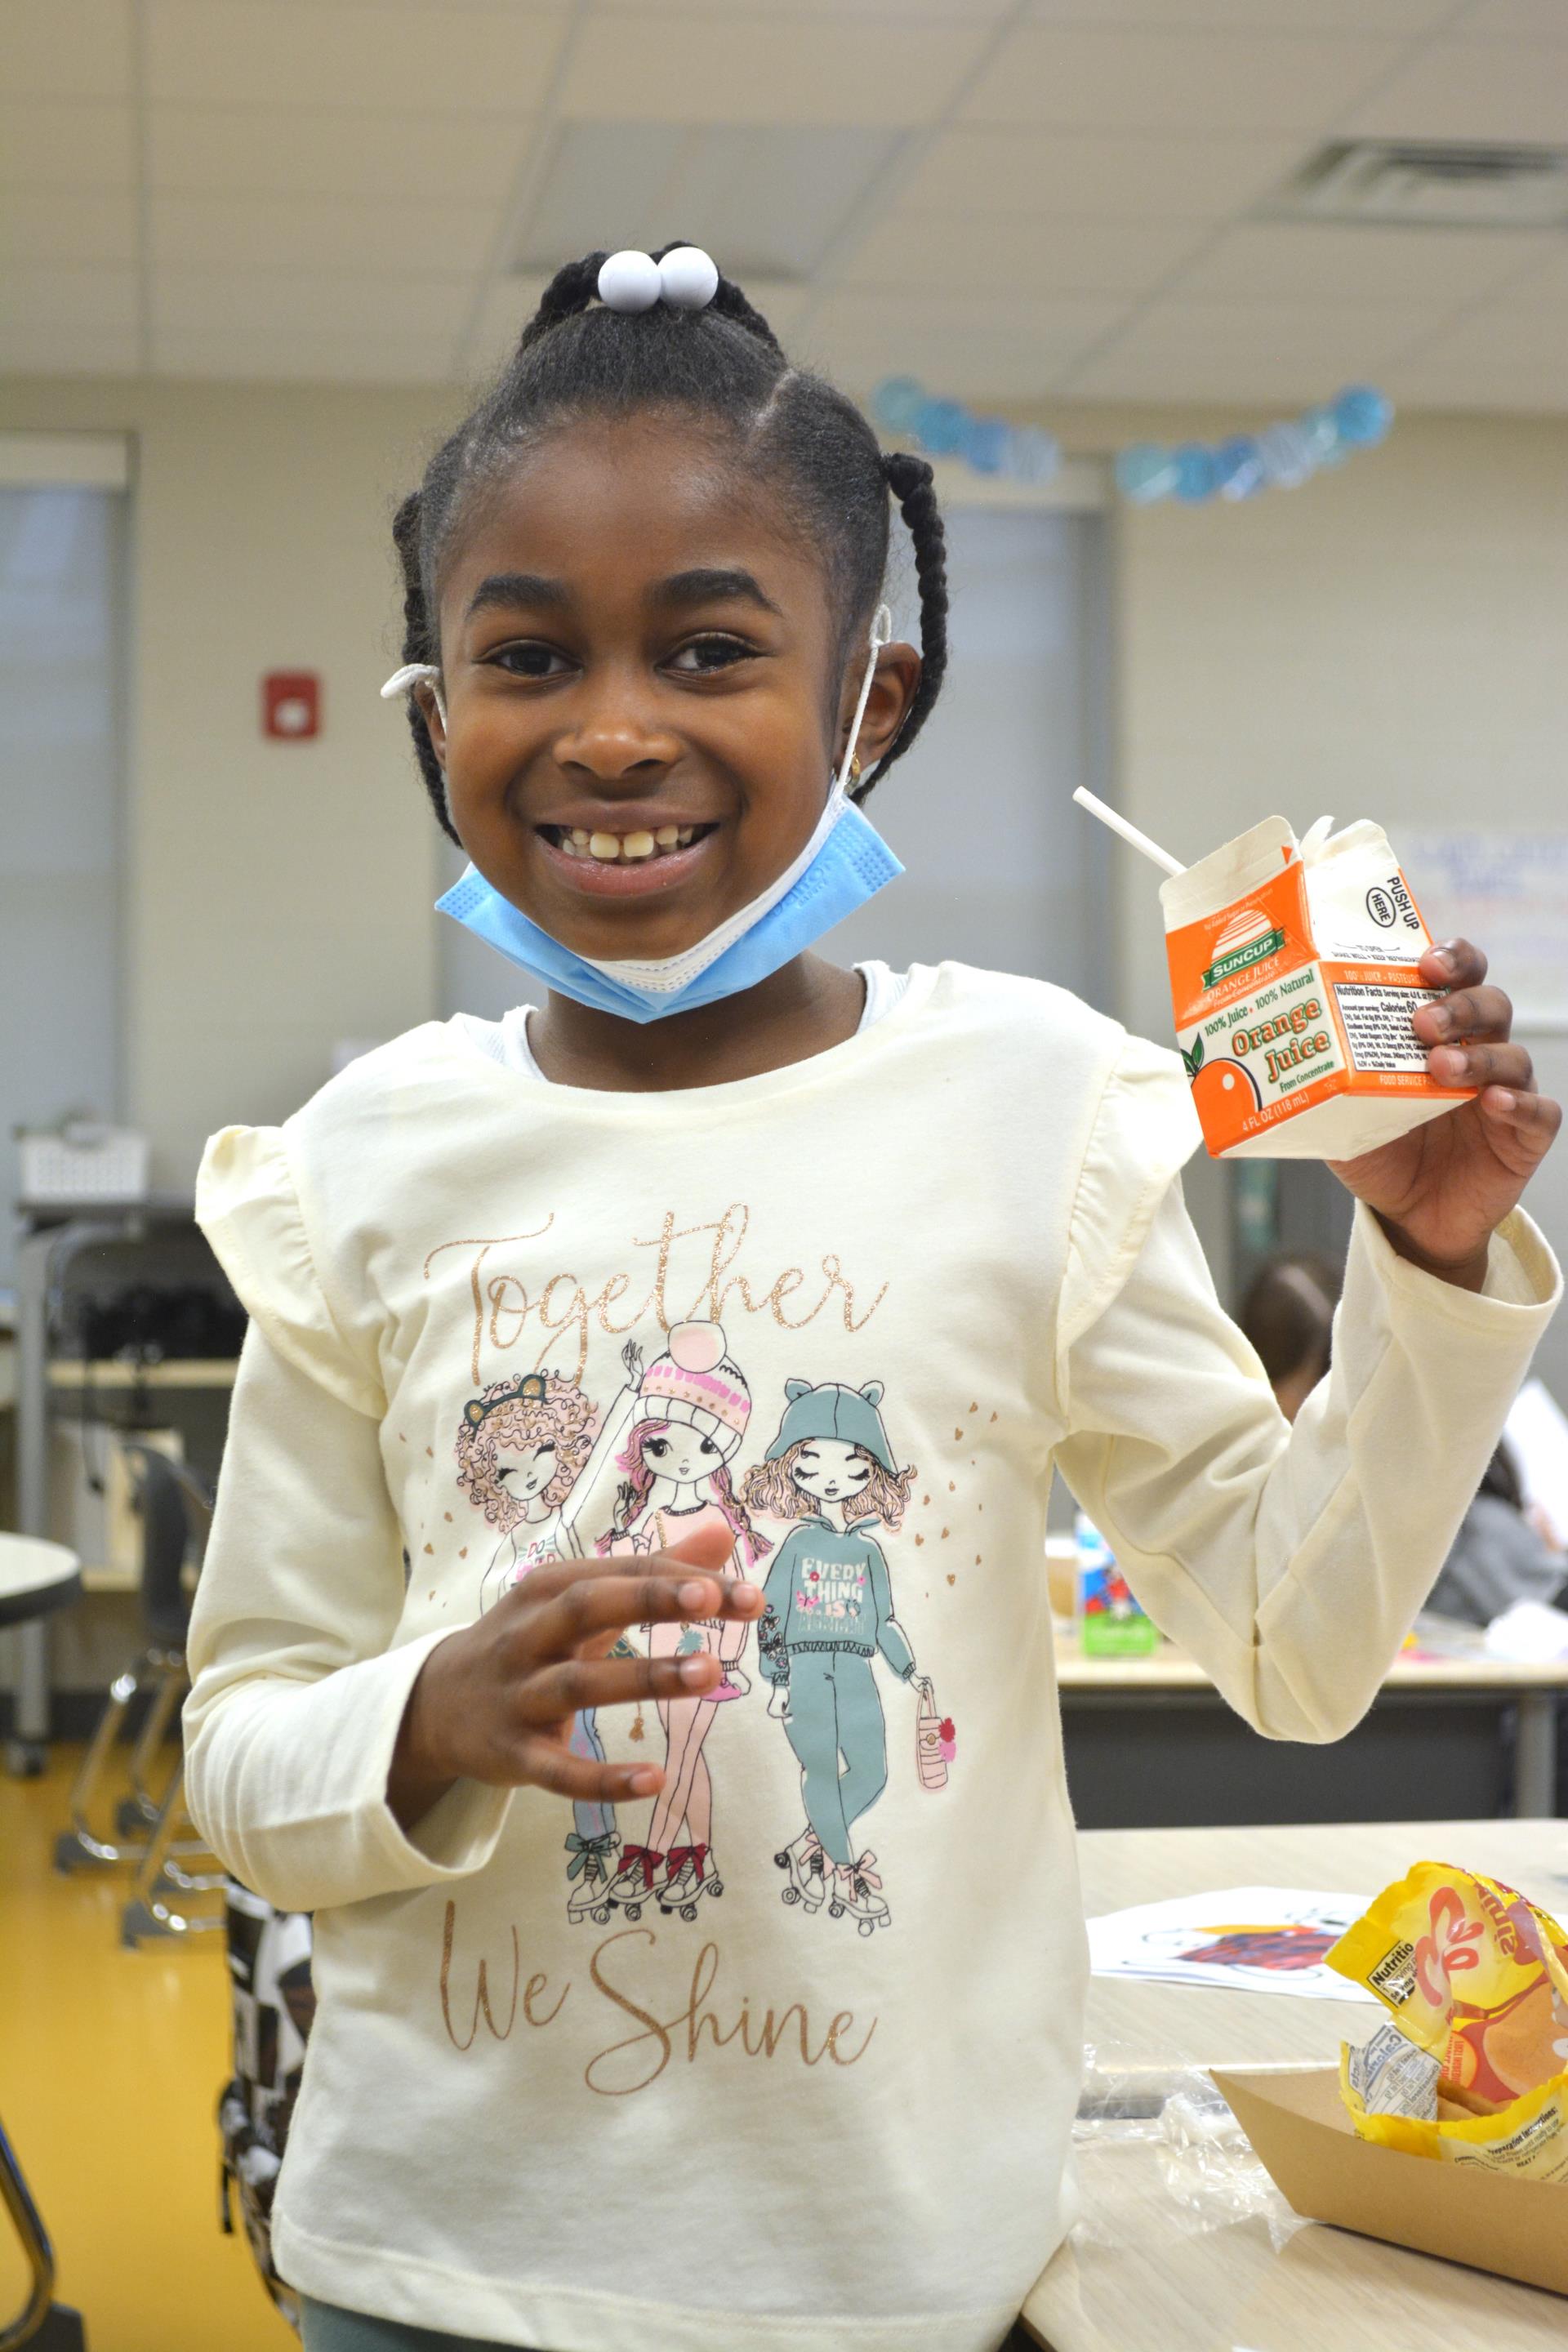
[706,1547]
[1457,963]
[1464,1013]
[593,1606]
[1483,1065]
[567,1688]
[1520,1126]
[539,1761]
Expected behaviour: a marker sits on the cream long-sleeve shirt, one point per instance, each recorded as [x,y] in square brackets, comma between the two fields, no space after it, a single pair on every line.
[888,1287]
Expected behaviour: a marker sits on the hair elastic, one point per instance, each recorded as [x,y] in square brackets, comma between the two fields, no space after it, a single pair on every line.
[687,279]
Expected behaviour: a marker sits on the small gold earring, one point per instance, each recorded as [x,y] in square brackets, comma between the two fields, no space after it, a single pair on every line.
[855,767]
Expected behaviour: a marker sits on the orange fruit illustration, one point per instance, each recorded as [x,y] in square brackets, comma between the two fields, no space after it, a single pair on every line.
[1222,1093]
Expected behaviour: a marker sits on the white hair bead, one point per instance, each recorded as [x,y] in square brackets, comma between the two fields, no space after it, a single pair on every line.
[629,281]
[688,277]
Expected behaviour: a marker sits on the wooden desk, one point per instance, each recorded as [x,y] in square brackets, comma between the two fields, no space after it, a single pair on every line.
[1421,1703]
[1142,2273]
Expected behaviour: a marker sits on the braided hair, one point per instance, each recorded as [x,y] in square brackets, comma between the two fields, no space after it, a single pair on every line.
[723,365]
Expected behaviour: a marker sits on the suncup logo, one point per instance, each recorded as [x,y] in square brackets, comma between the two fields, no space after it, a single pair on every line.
[1246,939]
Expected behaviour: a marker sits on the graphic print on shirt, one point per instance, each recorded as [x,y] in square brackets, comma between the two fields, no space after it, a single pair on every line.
[526,1447]
[690,1414]
[829,1612]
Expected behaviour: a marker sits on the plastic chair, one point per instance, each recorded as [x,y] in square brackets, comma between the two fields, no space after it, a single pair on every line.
[176,1516]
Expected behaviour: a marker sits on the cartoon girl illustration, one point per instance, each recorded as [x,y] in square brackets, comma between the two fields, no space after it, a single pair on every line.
[531,1450]
[690,1415]
[829,1610]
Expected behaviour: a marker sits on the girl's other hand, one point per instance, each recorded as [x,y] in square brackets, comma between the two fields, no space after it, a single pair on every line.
[1442,1189]
[496,1701]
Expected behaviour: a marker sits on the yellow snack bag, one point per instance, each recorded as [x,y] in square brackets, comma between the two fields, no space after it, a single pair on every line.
[1527,2136]
[1472,1972]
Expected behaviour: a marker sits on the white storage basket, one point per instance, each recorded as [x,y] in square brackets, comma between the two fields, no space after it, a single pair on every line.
[84,1161]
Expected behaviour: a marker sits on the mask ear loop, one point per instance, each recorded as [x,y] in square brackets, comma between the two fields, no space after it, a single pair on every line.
[415,673]
[881,635]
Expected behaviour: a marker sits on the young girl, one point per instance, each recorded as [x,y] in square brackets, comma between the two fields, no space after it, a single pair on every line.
[649,687]
[827,1610]
[693,1406]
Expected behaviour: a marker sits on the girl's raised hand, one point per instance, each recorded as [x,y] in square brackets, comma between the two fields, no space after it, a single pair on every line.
[496,1701]
[1443,1188]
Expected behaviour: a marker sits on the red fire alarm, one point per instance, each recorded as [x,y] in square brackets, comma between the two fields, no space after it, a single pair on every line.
[291,705]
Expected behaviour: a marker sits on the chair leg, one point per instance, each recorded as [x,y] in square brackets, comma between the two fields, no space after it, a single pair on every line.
[148,1914]
[42,2322]
[80,1844]
[140,1810]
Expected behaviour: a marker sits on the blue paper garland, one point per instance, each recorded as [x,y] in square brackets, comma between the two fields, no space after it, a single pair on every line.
[1278,457]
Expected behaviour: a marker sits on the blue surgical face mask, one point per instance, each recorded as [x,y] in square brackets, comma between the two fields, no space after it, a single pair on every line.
[844,864]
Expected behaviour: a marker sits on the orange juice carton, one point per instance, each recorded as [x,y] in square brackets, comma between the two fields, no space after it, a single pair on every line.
[1293,978]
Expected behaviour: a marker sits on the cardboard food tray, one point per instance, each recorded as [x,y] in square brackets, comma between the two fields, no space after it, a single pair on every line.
[1299,2126]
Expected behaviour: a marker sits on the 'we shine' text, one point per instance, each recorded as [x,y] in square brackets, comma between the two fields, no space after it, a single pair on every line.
[474,1998]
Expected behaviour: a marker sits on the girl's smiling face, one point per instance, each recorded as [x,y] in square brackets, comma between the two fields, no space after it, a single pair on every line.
[830,1471]
[638,651]
[525,1471]
[682,1454]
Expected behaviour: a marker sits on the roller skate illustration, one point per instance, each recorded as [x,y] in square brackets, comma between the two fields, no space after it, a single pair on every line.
[856,1891]
[636,1881]
[807,1867]
[590,1873]
[691,1873]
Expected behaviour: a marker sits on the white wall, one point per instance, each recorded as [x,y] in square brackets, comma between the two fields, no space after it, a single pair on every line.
[277,894]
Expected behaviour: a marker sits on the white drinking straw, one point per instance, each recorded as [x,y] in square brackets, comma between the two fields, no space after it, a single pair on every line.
[1085,799]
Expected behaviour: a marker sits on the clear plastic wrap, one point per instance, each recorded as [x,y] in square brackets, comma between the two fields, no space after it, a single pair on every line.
[1174,2128]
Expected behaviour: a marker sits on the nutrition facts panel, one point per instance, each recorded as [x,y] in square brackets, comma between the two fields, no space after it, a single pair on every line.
[1377,1024]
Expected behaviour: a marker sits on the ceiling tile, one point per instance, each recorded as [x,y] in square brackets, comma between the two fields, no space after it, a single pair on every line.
[1311,262]
[877,12]
[1106,175]
[312,232]
[83,299]
[1007,255]
[67,226]
[1478,384]
[1080,78]
[1406,18]
[68,48]
[302,359]
[656,66]
[480,59]
[43,349]
[1234,351]
[1473,89]
[1488,20]
[60,143]
[278,305]
[1503,338]
[969,349]
[332,152]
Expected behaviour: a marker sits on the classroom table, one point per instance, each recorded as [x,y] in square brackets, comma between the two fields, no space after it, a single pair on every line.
[1151,1743]
[1150,2271]
[35,1578]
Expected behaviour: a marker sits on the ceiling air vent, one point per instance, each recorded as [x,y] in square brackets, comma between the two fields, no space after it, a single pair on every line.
[1415,182]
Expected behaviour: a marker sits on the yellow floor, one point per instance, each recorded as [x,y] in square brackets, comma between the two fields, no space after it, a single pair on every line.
[111,2065]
